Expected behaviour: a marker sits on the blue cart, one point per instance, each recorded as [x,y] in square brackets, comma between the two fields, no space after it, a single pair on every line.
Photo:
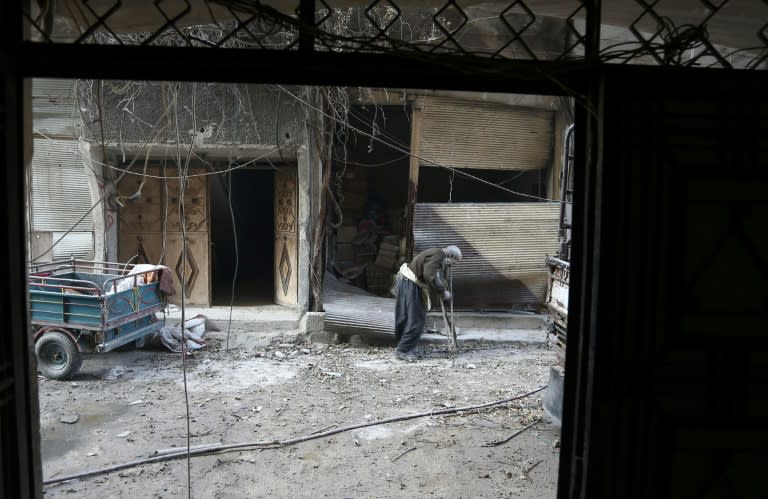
[79,306]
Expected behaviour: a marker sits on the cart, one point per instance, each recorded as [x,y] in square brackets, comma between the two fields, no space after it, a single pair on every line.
[79,306]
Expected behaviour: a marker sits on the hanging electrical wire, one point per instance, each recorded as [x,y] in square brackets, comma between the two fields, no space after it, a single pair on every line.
[237,257]
[207,449]
[184,167]
[420,158]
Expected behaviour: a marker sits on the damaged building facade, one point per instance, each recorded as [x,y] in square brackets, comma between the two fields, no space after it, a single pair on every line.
[278,181]
[264,183]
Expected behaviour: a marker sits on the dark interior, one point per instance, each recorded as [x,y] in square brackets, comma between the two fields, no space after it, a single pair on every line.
[253,209]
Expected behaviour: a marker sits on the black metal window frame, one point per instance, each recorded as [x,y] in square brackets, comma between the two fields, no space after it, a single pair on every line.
[21,476]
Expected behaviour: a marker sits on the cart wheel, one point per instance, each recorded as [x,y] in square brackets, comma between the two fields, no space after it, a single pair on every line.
[57,355]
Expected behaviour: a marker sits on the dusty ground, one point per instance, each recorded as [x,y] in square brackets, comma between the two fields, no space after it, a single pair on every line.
[288,390]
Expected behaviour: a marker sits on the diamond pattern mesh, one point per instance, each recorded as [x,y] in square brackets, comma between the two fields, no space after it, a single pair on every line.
[713,33]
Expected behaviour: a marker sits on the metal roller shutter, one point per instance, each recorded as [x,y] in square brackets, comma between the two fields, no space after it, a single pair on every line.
[60,193]
[474,134]
[504,245]
[60,196]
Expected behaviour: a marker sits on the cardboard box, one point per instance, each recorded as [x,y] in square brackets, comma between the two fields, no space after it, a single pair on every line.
[386,252]
[389,248]
[386,261]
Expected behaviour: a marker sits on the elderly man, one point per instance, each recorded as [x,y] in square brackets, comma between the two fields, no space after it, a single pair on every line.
[415,282]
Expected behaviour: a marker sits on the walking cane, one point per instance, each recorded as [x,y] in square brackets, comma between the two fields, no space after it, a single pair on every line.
[451,331]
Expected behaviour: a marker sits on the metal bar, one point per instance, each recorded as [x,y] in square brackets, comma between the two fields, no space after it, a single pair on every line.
[560,263]
[132,317]
[592,38]
[307,26]
[89,327]
[413,177]
[132,336]
[62,287]
[296,67]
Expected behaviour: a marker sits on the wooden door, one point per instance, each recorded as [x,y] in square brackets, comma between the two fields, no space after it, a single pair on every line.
[286,238]
[150,227]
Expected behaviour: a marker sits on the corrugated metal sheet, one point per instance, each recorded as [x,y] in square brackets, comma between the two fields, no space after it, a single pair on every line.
[474,134]
[350,310]
[73,245]
[504,246]
[60,193]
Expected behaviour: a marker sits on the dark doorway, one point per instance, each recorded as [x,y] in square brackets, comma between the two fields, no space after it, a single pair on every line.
[252,207]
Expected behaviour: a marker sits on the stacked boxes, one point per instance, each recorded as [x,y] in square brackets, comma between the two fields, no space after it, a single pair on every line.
[345,252]
[389,253]
[381,276]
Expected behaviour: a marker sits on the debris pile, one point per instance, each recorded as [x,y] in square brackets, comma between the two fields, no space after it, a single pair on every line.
[171,337]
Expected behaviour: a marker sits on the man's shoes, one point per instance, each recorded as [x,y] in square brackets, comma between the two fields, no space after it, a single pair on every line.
[419,351]
[406,356]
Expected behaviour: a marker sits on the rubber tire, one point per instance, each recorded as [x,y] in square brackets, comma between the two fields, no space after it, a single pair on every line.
[57,355]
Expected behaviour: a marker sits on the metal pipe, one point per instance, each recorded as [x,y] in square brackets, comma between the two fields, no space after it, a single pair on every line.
[557,261]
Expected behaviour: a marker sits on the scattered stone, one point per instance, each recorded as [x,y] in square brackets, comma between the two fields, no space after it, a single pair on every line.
[114,373]
[332,374]
[306,351]
[123,434]
[471,366]
[279,354]
[70,418]
[136,402]
[358,341]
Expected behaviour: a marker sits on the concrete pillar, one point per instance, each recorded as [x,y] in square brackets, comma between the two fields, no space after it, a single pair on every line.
[92,161]
[305,190]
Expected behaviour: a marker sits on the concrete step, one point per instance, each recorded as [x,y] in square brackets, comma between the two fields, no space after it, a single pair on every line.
[490,336]
[489,320]
[260,326]
[263,318]
[250,339]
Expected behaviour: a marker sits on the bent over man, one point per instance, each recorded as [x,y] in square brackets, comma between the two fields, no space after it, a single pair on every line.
[415,282]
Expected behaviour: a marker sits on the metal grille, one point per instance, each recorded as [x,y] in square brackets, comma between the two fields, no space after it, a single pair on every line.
[699,33]
[718,33]
[510,30]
